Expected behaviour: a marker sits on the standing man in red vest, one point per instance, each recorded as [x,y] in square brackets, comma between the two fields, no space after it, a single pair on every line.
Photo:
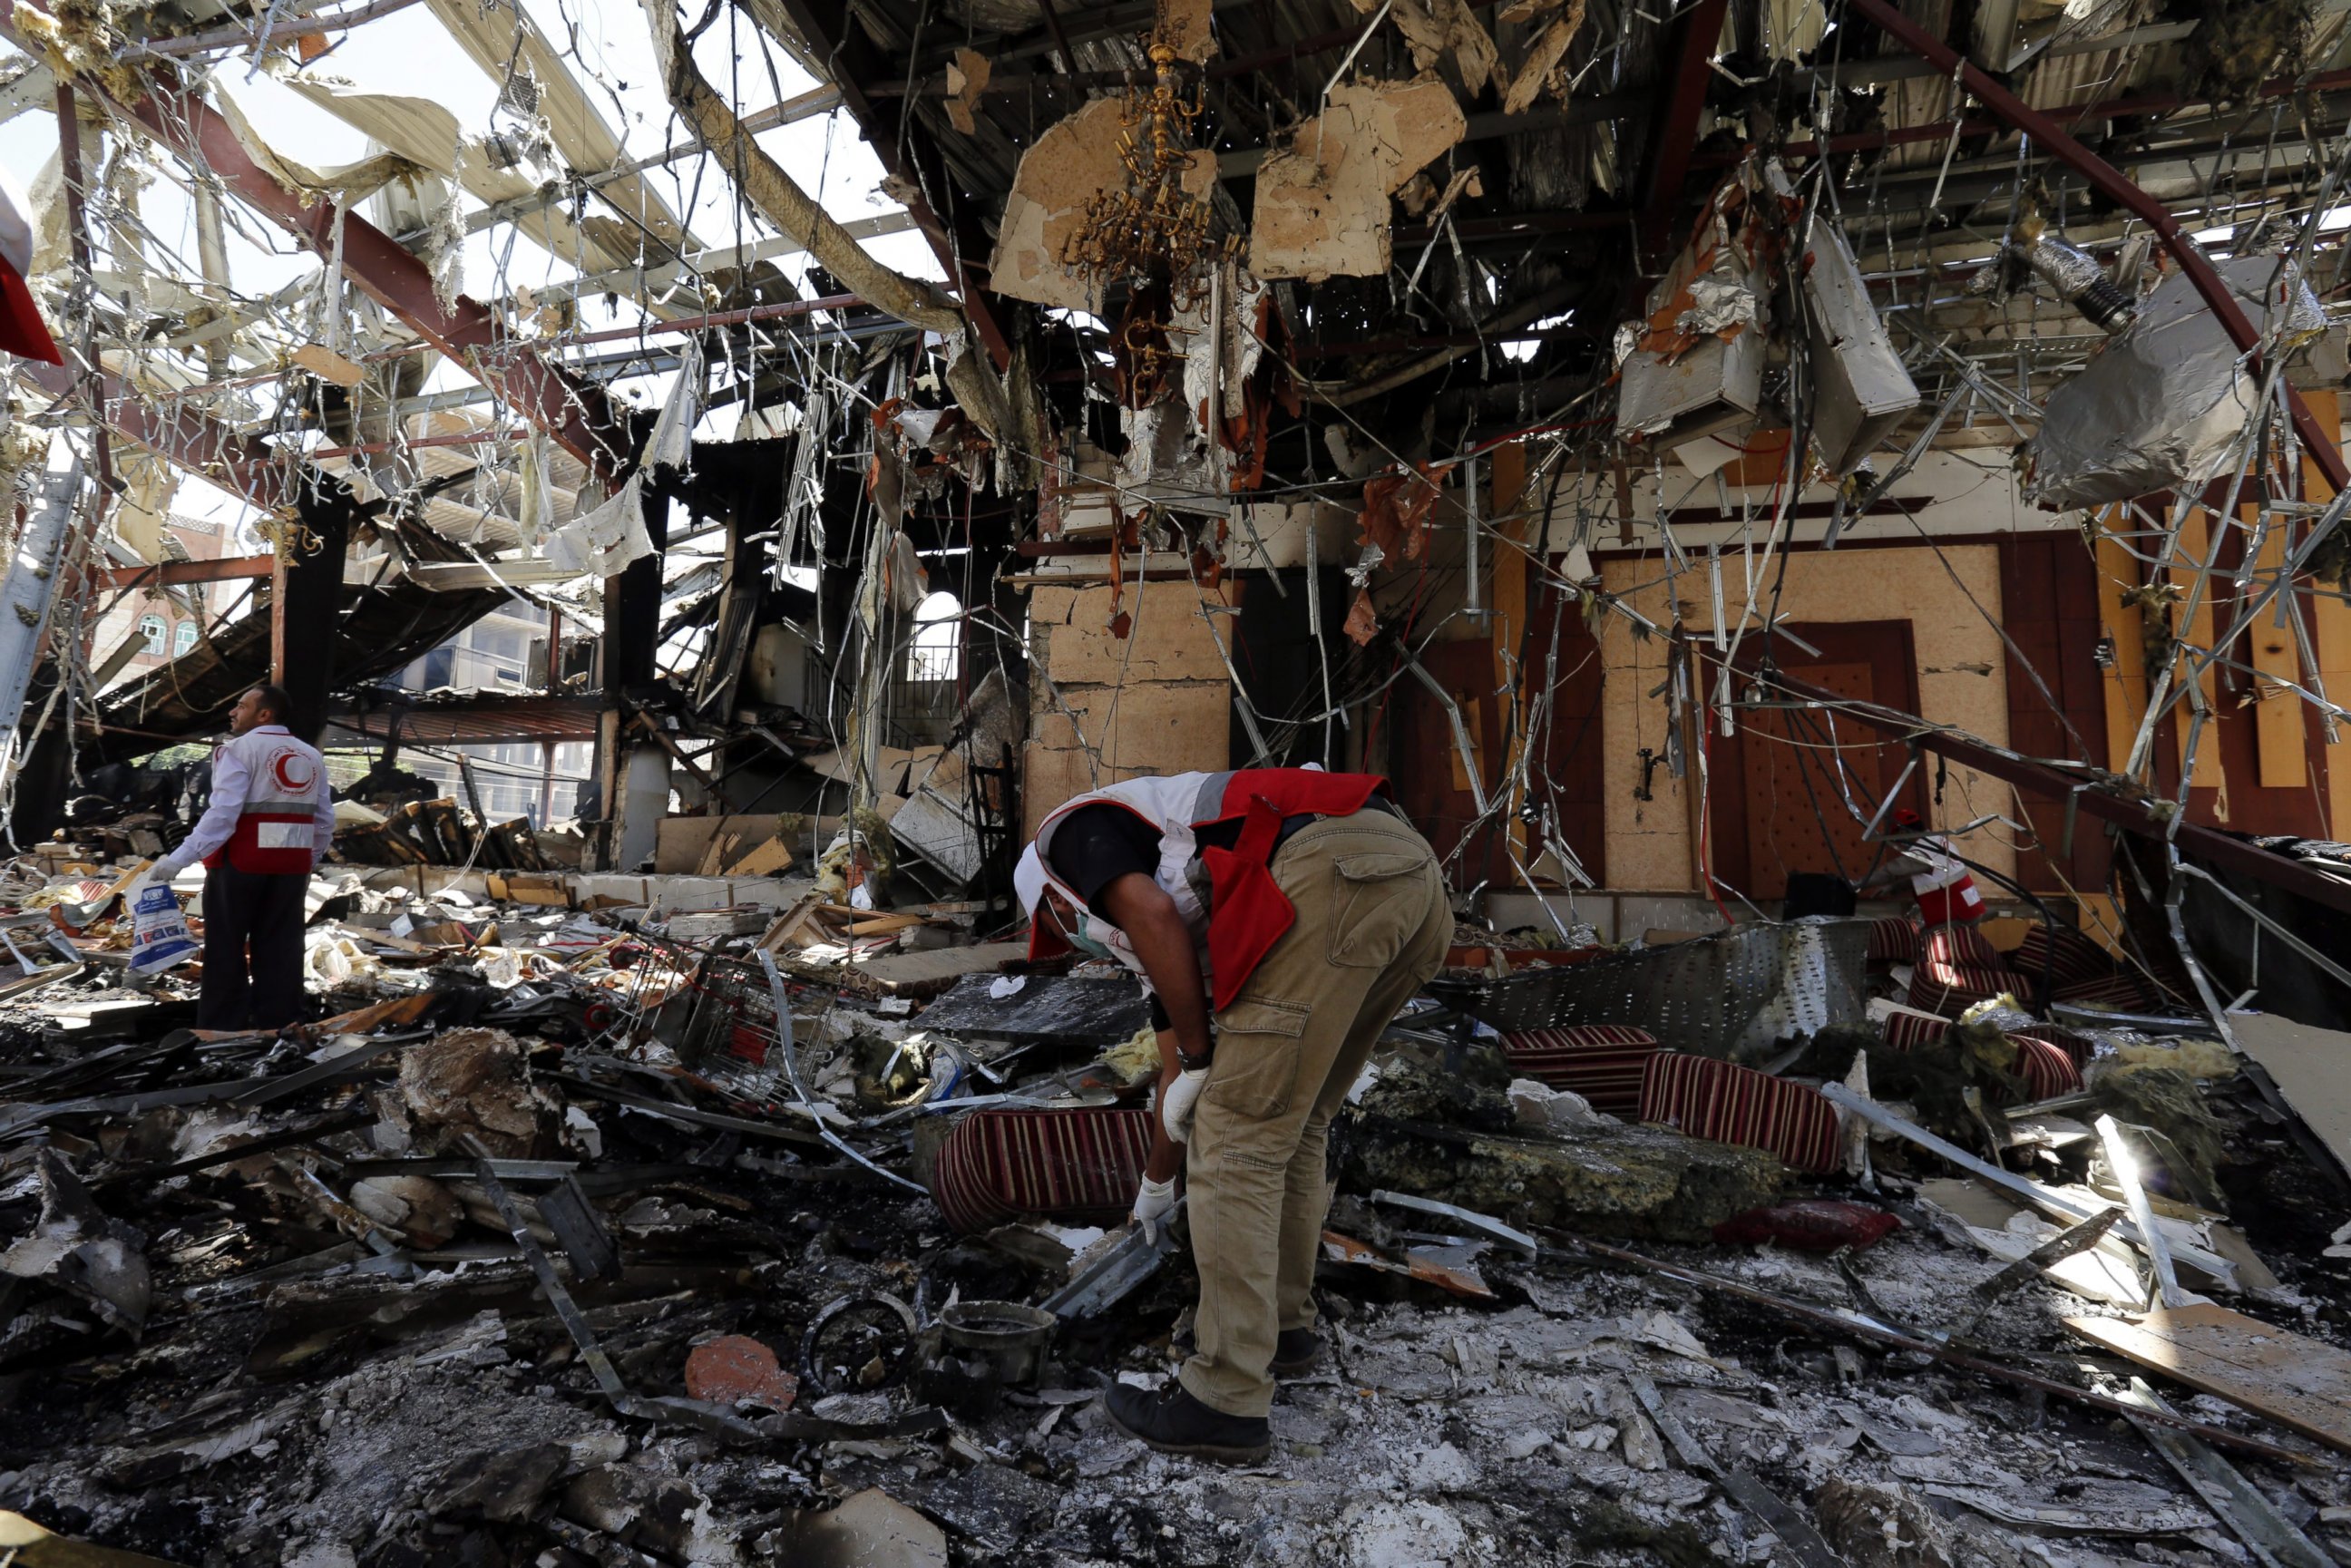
[270,821]
[1279,918]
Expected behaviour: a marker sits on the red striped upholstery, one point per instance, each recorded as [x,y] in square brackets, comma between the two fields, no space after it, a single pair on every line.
[1731,1104]
[1893,939]
[2121,993]
[1909,1031]
[2047,1068]
[1603,1062]
[1958,968]
[2072,957]
[1079,1167]
[2046,1059]
[2076,1046]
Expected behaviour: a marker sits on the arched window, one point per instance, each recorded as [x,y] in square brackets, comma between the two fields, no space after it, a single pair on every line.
[152,631]
[184,638]
[936,652]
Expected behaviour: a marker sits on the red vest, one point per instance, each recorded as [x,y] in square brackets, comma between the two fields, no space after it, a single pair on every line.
[274,834]
[1248,912]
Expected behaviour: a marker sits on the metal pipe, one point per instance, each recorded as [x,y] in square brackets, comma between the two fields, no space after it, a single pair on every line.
[2326,448]
[230,37]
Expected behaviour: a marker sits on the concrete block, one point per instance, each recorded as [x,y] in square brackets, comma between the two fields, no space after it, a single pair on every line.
[1146,728]
[1168,639]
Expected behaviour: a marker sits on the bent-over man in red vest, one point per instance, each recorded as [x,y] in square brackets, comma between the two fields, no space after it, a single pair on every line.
[270,821]
[1279,918]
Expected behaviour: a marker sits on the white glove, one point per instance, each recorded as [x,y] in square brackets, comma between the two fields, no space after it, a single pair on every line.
[1179,1099]
[162,871]
[1152,1202]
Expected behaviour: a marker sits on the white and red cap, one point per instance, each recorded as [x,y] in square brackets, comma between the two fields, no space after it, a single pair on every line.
[22,330]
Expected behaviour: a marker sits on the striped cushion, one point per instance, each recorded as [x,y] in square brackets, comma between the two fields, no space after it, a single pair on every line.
[1603,1062]
[2076,1046]
[1958,968]
[2121,993]
[2047,1068]
[1078,1166]
[2046,1059]
[1909,1031]
[1893,939]
[2070,957]
[1730,1104]
[1955,988]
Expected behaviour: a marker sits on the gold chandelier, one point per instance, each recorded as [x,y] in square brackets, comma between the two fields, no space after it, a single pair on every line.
[1152,231]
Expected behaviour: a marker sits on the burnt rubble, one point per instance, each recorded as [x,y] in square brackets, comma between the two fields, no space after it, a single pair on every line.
[555,1248]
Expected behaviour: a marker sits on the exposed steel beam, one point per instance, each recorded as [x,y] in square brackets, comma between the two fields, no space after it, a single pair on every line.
[1675,136]
[573,412]
[193,443]
[2323,445]
[179,573]
[2067,113]
[849,58]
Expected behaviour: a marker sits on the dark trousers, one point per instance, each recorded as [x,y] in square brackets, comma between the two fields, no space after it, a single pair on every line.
[253,950]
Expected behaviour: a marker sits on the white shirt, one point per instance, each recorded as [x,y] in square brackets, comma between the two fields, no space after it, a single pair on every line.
[232,782]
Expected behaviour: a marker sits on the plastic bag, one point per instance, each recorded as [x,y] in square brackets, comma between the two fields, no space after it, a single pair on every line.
[159,930]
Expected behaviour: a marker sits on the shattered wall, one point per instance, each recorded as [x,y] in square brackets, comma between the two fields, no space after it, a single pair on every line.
[1104,707]
[1962,673]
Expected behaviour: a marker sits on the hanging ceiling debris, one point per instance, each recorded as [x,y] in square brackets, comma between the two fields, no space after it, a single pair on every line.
[1828,520]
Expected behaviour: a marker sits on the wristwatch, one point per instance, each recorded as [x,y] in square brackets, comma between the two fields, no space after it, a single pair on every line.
[1197,1064]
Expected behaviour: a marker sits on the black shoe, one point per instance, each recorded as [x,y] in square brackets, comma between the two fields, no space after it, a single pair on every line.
[1296,1352]
[1174,1422]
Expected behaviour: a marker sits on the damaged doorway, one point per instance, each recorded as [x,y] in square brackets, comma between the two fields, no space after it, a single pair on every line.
[1786,785]
[1432,778]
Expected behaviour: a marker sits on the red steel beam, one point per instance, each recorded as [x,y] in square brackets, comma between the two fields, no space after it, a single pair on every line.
[1677,132]
[191,442]
[573,412]
[175,574]
[2323,445]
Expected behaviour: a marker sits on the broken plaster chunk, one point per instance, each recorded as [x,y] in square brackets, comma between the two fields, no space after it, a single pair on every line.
[1435,29]
[1443,1468]
[1527,1444]
[968,76]
[478,1082]
[871,1529]
[1543,59]
[1073,162]
[1323,202]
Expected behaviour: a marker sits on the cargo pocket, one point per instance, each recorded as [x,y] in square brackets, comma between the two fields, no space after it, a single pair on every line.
[1256,1070]
[1373,912]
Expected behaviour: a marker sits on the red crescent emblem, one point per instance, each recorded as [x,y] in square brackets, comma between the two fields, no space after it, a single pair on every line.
[293,771]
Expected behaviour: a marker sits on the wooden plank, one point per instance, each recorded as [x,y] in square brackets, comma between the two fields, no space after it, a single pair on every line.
[2195,542]
[2295,1381]
[2311,1067]
[929,973]
[2332,618]
[2331,622]
[2278,713]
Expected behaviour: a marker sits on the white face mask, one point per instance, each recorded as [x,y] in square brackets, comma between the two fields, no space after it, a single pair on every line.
[1084,943]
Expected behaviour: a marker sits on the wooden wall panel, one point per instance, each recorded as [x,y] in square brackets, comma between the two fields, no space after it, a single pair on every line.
[2051,598]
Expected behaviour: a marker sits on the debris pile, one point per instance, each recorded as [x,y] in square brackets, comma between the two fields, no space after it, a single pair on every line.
[569,1238]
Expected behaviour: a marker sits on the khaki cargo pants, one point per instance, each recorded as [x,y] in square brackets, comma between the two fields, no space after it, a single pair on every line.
[1373,926]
